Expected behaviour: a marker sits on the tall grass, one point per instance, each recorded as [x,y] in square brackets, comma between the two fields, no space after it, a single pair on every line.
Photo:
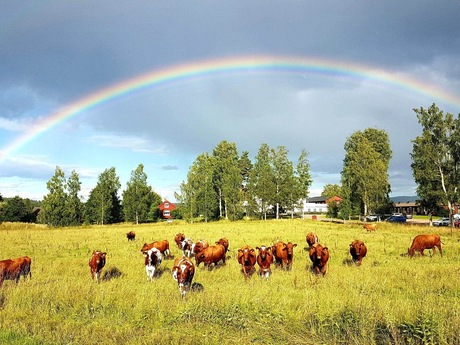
[390,299]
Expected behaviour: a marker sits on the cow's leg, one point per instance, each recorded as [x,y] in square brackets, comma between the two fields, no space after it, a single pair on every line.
[440,250]
[422,252]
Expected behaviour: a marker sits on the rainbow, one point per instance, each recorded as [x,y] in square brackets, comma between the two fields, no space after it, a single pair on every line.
[245,64]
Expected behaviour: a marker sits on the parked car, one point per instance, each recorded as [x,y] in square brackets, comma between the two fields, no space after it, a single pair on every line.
[396,219]
[457,223]
[372,218]
[442,222]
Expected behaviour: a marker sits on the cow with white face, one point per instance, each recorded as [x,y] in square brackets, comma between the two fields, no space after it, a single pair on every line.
[183,272]
[153,259]
[187,247]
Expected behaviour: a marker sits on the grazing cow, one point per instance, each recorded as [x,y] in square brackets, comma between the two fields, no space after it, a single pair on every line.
[183,271]
[186,247]
[247,259]
[370,227]
[319,256]
[264,260]
[284,254]
[198,246]
[358,251]
[131,236]
[13,269]
[96,264]
[153,259]
[211,255]
[311,239]
[178,239]
[162,246]
[422,242]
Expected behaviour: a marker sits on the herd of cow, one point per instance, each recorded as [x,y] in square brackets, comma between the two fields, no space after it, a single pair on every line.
[280,254]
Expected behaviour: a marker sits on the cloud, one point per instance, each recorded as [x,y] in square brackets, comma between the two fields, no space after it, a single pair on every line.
[136,144]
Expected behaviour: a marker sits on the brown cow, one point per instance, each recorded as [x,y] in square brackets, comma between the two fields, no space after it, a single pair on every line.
[358,251]
[319,256]
[211,255]
[96,264]
[131,236]
[311,239]
[198,246]
[370,227]
[264,260]
[178,239]
[183,271]
[422,242]
[247,259]
[223,241]
[162,246]
[284,254]
[13,269]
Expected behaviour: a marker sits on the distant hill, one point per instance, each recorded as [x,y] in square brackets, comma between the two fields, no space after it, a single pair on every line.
[396,199]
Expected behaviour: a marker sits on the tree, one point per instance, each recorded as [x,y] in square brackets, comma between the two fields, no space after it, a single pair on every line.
[261,185]
[186,200]
[303,178]
[365,170]
[15,210]
[103,206]
[226,177]
[74,207]
[436,158]
[54,206]
[200,180]
[138,197]
[283,179]
[330,190]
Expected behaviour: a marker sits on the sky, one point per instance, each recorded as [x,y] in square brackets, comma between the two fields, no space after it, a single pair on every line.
[90,85]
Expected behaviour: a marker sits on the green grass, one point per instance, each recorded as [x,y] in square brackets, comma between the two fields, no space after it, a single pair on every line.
[390,299]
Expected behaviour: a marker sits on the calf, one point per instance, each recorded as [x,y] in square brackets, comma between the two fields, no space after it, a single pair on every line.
[183,271]
[422,242]
[162,246]
[284,254]
[178,239]
[131,236]
[153,259]
[358,251]
[264,260]
[13,269]
[319,256]
[247,260]
[370,227]
[96,264]
[311,239]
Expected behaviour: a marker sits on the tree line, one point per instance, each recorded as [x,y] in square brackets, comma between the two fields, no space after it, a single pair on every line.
[225,184]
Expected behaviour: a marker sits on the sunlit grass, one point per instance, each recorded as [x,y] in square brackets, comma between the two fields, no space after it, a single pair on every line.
[389,299]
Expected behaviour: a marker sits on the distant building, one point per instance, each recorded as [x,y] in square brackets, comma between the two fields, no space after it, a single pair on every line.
[319,204]
[166,207]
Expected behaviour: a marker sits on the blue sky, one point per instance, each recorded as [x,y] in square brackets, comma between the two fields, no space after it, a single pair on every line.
[55,53]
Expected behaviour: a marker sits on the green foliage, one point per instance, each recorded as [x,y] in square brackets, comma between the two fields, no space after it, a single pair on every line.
[103,205]
[54,207]
[436,158]
[139,200]
[365,170]
[15,210]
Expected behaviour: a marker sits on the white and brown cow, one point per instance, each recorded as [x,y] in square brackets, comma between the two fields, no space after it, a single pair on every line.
[153,259]
[96,264]
[183,271]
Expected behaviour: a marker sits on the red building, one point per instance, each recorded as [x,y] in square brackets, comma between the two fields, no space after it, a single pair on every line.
[166,207]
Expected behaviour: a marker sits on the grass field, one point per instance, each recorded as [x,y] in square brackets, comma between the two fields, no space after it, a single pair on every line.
[390,299]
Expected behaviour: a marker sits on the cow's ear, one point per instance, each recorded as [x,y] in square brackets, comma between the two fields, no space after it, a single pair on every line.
[295,245]
[325,248]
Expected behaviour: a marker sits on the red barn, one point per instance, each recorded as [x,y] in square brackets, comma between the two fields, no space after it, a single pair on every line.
[166,207]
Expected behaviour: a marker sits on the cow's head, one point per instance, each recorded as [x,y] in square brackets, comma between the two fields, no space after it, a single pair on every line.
[245,254]
[264,251]
[224,242]
[289,247]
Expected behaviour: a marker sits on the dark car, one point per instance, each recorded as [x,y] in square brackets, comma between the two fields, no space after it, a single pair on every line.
[396,219]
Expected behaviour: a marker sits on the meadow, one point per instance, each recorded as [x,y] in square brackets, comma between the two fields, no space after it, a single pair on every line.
[390,299]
